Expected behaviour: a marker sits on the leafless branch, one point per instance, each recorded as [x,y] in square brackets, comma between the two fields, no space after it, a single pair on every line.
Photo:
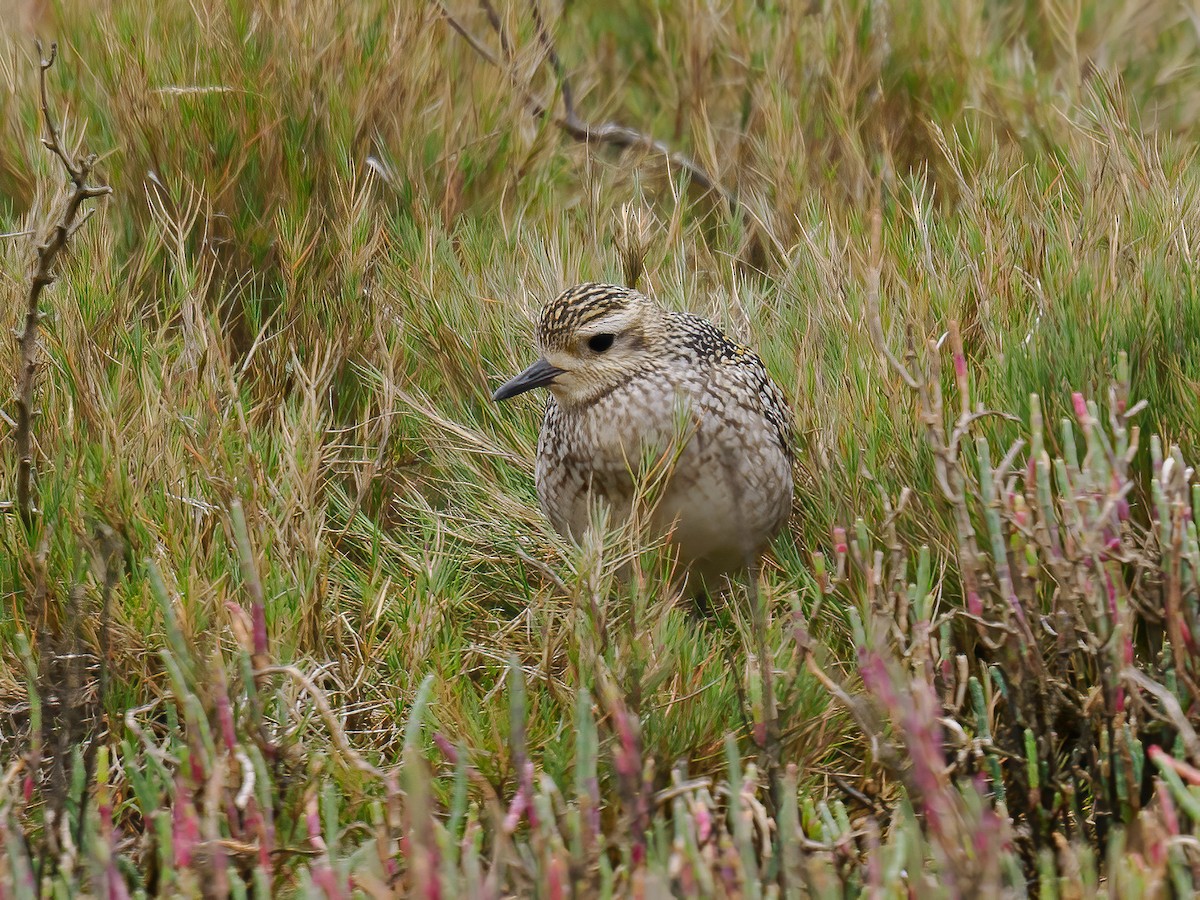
[477,45]
[78,171]
[611,133]
[498,27]
[350,756]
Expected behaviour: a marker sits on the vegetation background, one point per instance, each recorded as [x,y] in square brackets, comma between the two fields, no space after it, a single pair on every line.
[286,610]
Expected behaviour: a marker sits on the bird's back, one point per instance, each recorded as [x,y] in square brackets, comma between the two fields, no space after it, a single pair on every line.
[738,380]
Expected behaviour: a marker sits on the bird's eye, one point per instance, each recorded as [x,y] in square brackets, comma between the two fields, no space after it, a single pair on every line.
[598,343]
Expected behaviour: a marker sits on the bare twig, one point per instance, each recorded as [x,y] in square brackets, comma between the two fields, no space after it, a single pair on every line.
[627,138]
[61,668]
[350,756]
[78,171]
[612,133]
[497,26]
[147,743]
[681,789]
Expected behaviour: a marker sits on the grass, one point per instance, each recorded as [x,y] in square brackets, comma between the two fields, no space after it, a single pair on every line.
[328,233]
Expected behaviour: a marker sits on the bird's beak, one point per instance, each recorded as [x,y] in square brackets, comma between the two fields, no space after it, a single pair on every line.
[540,374]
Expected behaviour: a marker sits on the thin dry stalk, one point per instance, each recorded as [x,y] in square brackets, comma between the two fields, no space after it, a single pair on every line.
[70,221]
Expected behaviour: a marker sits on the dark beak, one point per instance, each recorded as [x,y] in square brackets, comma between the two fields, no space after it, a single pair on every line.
[540,374]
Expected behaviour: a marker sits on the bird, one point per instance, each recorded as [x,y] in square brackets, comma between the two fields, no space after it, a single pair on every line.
[631,381]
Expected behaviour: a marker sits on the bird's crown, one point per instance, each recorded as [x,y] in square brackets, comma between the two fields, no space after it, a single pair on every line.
[586,308]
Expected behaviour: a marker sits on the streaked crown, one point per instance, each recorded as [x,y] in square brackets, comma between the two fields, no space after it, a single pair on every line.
[581,310]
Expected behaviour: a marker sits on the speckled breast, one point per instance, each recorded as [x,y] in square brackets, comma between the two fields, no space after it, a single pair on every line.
[726,484]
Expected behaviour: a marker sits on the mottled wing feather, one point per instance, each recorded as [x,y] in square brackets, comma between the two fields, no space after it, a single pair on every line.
[741,371]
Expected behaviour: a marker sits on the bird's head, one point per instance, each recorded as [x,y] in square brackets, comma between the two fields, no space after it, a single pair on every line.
[592,338]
